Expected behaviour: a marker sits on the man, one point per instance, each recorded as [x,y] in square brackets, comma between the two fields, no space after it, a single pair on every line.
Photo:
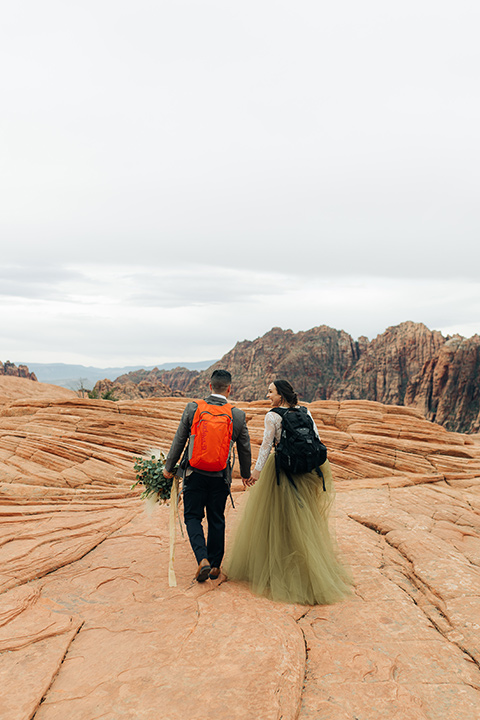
[205,490]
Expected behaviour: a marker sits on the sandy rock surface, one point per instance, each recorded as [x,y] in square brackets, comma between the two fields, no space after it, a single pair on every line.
[91,630]
[12,388]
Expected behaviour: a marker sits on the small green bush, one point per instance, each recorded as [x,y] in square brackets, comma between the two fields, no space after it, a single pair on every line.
[108,395]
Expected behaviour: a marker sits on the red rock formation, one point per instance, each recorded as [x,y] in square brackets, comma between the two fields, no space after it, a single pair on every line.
[314,359]
[389,362]
[179,378]
[136,385]
[127,390]
[447,390]
[407,364]
[22,371]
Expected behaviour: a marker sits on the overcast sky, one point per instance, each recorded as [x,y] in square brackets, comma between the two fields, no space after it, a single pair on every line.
[177,176]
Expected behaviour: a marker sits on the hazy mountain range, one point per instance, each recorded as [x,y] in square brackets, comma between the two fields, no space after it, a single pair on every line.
[71,376]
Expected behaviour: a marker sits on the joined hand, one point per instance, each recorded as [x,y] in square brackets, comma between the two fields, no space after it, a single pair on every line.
[248,482]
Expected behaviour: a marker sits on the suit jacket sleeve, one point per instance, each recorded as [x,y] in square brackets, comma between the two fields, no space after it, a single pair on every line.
[181,437]
[243,445]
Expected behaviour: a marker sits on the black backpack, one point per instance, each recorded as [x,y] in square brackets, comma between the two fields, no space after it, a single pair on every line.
[299,449]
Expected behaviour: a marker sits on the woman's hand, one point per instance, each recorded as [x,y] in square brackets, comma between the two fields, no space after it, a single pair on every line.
[254,476]
[248,482]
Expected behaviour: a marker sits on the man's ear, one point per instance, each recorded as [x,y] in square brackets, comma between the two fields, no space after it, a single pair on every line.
[228,390]
[210,386]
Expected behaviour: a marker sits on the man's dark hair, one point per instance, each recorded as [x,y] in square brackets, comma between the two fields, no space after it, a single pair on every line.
[220,380]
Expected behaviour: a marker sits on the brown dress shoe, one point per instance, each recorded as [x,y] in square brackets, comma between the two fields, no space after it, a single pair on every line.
[214,573]
[203,570]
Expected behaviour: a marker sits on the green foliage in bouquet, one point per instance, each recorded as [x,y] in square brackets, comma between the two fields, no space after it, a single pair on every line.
[150,475]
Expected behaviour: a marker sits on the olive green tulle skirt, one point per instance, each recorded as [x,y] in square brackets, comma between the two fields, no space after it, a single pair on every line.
[282,545]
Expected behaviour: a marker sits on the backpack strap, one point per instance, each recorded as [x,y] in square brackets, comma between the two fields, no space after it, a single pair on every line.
[277,411]
[229,484]
[183,465]
[281,412]
[304,411]
[320,475]
[230,462]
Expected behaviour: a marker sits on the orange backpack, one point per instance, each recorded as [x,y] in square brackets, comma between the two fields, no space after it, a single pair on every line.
[211,436]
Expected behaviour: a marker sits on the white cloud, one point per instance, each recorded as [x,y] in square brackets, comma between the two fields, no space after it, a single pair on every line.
[104,321]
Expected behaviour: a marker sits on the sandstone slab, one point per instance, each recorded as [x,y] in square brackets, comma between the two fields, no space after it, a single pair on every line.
[90,629]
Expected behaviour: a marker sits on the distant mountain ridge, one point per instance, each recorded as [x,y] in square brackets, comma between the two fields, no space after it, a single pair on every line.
[408,364]
[69,375]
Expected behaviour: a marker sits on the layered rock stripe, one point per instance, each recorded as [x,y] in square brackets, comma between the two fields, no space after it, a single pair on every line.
[89,628]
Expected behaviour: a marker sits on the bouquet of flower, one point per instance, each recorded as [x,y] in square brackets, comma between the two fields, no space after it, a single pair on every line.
[150,475]
[159,489]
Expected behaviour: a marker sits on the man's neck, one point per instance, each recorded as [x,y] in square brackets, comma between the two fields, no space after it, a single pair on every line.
[218,395]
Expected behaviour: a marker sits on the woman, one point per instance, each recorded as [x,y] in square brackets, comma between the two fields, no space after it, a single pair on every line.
[282,545]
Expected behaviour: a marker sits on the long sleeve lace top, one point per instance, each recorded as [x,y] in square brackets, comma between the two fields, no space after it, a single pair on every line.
[273,431]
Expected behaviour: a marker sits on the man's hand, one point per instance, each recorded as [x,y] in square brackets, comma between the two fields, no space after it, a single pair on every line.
[248,482]
[167,475]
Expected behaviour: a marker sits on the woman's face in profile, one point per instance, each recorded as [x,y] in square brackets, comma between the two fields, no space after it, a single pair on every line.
[274,396]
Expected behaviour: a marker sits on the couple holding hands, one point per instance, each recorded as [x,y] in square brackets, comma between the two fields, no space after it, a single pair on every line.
[282,545]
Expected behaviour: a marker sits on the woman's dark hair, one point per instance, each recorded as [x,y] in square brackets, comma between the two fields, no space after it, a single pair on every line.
[286,391]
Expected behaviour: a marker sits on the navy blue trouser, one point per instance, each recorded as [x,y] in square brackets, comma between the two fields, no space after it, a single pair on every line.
[200,493]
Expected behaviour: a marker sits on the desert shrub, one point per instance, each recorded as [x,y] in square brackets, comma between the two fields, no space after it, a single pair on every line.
[108,395]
